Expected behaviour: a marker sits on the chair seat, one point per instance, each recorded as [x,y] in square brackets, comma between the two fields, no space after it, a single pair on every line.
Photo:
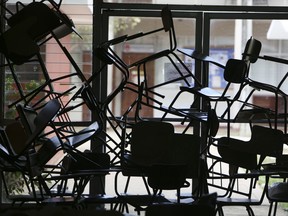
[205,92]
[142,200]
[101,198]
[83,135]
[253,114]
[200,56]
[22,198]
[231,201]
[60,200]
[86,162]
[193,114]
[278,192]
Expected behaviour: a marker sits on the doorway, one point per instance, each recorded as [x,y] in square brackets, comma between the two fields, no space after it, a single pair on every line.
[128,97]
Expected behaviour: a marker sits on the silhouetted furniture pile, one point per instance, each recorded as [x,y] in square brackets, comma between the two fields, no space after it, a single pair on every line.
[46,149]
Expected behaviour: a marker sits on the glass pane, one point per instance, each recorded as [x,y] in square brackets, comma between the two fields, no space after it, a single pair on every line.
[228,40]
[161,86]
[62,57]
[38,60]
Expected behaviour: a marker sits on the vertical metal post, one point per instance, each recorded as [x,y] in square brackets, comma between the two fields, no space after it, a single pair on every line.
[98,85]
[2,86]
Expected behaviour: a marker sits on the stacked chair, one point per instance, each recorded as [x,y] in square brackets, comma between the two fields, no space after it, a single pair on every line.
[35,34]
[277,192]
[20,155]
[279,113]
[245,160]
[235,72]
[170,53]
[40,148]
[146,92]
[163,159]
[47,155]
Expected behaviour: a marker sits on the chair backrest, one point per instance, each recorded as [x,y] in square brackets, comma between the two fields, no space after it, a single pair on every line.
[252,50]
[31,126]
[212,123]
[27,116]
[266,141]
[149,140]
[234,152]
[44,117]
[154,142]
[16,138]
[47,114]
[167,21]
[185,149]
[235,71]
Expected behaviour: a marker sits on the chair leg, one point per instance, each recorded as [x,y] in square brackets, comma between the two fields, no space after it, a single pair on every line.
[127,183]
[219,209]
[171,104]
[275,208]
[270,208]
[250,211]
[122,207]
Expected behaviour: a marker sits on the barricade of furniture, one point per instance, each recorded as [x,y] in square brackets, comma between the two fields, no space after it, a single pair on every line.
[150,150]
